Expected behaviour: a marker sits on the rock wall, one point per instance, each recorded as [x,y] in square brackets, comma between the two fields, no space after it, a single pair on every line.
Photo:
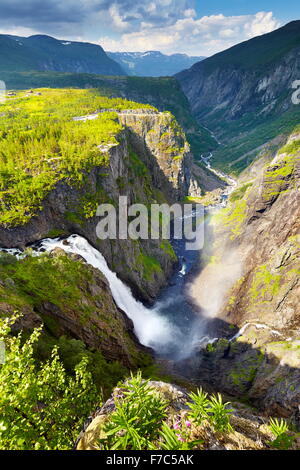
[220,87]
[158,135]
[263,363]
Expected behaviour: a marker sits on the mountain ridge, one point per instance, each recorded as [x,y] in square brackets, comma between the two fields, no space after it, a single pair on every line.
[41,53]
[153,63]
[244,94]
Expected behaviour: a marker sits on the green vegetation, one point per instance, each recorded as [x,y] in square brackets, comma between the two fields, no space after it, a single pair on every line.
[192,199]
[41,144]
[283,439]
[65,284]
[199,406]
[220,413]
[168,249]
[254,126]
[244,138]
[148,265]
[137,418]
[264,282]
[41,407]
[244,372]
[44,404]
[41,52]
[233,216]
[105,374]
[164,93]
[139,168]
[278,175]
[258,53]
[240,192]
[31,278]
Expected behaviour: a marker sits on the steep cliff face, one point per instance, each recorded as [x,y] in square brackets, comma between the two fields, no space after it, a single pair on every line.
[41,52]
[269,238]
[150,163]
[261,299]
[245,94]
[159,135]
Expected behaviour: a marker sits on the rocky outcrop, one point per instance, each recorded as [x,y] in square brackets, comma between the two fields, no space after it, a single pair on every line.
[249,430]
[206,179]
[159,135]
[151,163]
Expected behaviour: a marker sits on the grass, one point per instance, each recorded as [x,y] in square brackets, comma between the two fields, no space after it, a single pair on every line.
[164,93]
[240,192]
[244,137]
[40,145]
[233,217]
[149,266]
[29,284]
[279,174]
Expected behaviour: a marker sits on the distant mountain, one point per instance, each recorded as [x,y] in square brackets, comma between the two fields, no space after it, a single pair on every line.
[244,94]
[153,63]
[42,53]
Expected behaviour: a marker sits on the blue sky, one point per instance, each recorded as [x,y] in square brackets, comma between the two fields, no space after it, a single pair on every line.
[194,27]
[284,10]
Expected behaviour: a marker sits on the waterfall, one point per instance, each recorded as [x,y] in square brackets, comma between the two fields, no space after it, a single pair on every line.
[152,329]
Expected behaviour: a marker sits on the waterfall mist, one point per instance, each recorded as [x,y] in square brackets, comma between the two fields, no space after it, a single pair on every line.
[210,288]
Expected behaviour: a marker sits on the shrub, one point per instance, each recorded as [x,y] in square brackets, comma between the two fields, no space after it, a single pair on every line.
[137,418]
[41,407]
[283,440]
[199,406]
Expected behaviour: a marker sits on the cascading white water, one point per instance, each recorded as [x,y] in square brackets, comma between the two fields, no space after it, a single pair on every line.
[152,329]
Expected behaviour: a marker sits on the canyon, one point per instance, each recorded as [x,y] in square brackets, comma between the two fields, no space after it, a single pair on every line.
[225,317]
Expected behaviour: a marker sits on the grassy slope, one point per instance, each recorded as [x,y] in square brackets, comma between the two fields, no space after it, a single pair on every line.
[248,135]
[163,93]
[24,288]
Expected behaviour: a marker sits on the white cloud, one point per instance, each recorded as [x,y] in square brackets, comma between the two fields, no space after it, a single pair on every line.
[20,31]
[202,36]
[117,19]
[189,13]
[261,24]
